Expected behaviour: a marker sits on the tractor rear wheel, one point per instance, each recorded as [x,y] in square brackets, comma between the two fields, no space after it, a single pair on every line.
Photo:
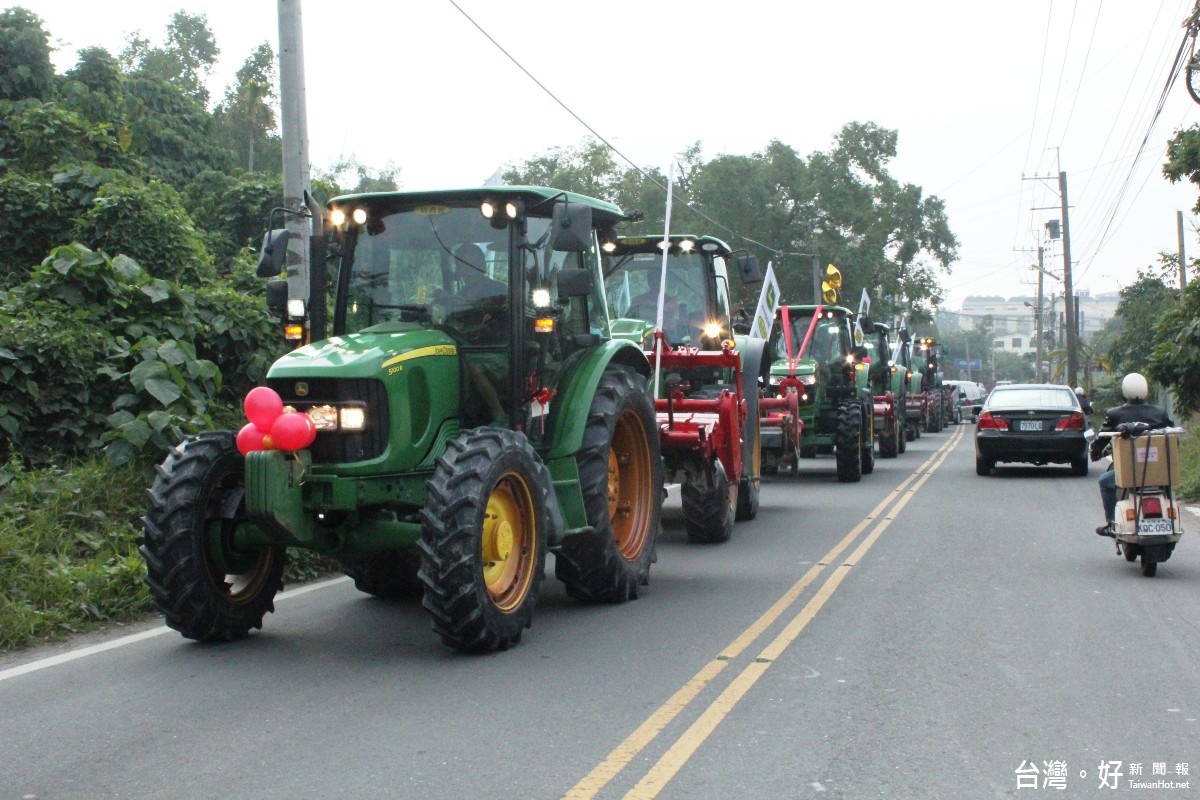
[389,575]
[620,473]
[708,512]
[483,539]
[901,434]
[207,586]
[868,440]
[848,438]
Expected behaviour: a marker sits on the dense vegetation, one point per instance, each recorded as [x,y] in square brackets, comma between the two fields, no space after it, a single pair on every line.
[130,201]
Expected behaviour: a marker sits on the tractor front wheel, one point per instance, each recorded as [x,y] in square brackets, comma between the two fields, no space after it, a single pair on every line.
[483,539]
[208,586]
[848,440]
[751,483]
[889,442]
[708,511]
[620,473]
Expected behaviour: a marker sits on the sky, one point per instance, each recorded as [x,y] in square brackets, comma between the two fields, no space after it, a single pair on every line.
[990,100]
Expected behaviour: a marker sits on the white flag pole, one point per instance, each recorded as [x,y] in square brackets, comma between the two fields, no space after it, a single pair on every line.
[662,281]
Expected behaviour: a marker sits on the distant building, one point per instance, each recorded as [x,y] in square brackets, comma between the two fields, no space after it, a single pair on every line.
[1014,319]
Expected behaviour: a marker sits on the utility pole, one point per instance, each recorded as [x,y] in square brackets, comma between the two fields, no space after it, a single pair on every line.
[1182,257]
[294,133]
[1068,290]
[816,271]
[1037,321]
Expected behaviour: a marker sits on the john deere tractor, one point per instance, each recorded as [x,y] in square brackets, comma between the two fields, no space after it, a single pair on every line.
[813,348]
[469,414]
[889,386]
[708,394]
[926,405]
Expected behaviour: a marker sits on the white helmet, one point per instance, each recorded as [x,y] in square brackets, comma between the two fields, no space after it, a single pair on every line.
[1134,387]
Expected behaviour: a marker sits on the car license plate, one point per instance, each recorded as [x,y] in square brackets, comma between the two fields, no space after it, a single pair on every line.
[1029,425]
[1155,527]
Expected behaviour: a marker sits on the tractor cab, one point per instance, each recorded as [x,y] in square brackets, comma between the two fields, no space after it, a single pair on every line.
[817,344]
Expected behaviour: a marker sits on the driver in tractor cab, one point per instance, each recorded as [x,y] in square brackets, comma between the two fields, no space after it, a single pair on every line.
[470,269]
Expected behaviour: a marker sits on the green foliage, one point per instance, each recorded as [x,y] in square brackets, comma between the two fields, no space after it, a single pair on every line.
[149,224]
[141,385]
[233,211]
[1175,359]
[246,118]
[68,549]
[185,60]
[35,216]
[1183,159]
[885,235]
[25,68]
[1143,303]
[40,137]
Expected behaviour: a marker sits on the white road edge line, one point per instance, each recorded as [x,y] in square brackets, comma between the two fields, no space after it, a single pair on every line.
[134,638]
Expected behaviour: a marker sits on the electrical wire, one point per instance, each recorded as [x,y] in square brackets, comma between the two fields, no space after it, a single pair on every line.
[773,250]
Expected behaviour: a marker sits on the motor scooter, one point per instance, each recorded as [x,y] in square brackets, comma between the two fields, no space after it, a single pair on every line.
[1147,522]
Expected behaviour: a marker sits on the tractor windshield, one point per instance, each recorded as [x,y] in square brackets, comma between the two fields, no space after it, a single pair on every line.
[828,345]
[441,266]
[632,281]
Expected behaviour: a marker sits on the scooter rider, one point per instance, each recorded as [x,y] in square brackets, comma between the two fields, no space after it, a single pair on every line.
[1136,409]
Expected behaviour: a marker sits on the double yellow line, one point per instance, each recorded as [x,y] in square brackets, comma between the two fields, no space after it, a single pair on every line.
[686,745]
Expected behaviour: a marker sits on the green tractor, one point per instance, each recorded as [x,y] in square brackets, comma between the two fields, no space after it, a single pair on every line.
[708,398]
[469,414]
[889,387]
[815,355]
[926,404]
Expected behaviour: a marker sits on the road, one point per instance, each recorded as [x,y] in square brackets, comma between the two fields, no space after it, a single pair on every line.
[926,633]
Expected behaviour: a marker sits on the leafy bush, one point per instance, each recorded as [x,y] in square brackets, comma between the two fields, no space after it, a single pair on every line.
[34,217]
[142,385]
[148,223]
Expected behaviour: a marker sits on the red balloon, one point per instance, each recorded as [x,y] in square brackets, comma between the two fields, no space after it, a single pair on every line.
[293,431]
[250,439]
[262,406]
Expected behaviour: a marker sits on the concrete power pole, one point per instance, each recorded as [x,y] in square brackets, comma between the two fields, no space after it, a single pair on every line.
[294,133]
[1068,289]
[1182,257]
[1037,320]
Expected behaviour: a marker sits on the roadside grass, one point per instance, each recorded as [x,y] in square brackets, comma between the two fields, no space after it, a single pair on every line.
[69,560]
[1189,454]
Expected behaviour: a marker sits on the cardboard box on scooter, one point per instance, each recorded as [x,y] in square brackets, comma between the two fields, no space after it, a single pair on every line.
[1151,460]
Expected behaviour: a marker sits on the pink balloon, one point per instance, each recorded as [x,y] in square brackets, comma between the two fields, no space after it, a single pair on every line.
[293,431]
[250,439]
[262,406]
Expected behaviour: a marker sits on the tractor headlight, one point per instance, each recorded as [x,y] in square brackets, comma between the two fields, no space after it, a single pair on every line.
[712,330]
[352,418]
[324,417]
[776,380]
[808,380]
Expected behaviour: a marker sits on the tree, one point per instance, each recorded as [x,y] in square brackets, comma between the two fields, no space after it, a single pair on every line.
[1134,327]
[247,112]
[25,68]
[1175,359]
[186,59]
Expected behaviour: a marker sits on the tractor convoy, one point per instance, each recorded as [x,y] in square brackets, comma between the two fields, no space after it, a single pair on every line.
[505,377]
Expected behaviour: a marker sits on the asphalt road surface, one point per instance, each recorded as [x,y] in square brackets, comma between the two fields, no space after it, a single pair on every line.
[925,633]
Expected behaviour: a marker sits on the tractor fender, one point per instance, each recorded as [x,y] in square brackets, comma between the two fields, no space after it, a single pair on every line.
[751,351]
[574,399]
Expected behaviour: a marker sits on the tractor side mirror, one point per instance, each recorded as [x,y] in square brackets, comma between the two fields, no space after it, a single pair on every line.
[574,282]
[868,327]
[277,295]
[571,228]
[751,272]
[273,254]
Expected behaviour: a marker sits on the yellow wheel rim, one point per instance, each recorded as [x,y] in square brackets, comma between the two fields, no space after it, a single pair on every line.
[630,489]
[509,538]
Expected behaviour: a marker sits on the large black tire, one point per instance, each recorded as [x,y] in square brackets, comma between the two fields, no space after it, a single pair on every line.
[483,539]
[621,475]
[390,575]
[903,436]
[848,438]
[708,512]
[867,415]
[206,587]
[751,483]
[889,440]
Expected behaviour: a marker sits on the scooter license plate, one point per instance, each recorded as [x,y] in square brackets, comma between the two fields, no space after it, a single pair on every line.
[1155,527]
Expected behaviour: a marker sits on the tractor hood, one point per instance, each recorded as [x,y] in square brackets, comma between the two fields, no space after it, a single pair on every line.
[637,331]
[805,366]
[373,353]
